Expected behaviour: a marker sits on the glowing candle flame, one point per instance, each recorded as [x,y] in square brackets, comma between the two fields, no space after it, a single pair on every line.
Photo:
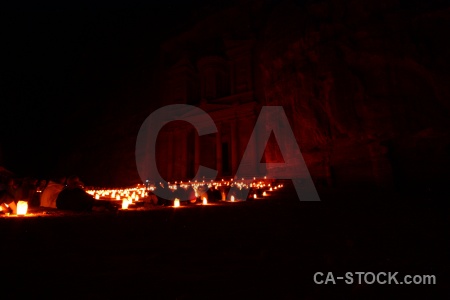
[176,202]
[264,194]
[118,197]
[232,198]
[97,196]
[125,204]
[205,201]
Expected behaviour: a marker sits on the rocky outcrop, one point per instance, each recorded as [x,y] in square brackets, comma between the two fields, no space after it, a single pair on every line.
[363,84]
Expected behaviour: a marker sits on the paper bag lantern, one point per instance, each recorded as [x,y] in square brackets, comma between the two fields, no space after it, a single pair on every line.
[22,208]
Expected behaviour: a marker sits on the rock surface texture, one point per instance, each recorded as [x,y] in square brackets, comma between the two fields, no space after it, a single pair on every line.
[364,85]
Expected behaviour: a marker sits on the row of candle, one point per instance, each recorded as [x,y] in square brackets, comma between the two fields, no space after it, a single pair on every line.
[119,194]
[133,194]
[128,195]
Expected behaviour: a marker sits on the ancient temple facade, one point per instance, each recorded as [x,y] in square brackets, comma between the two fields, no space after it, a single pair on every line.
[220,83]
[363,114]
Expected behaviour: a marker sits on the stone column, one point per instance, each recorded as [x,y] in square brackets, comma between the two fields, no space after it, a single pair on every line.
[197,150]
[178,148]
[234,142]
[170,155]
[219,151]
[182,137]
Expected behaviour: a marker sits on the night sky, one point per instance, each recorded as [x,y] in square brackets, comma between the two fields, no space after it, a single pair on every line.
[67,65]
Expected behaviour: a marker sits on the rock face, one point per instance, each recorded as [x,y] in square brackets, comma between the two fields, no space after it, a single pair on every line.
[363,83]
[364,86]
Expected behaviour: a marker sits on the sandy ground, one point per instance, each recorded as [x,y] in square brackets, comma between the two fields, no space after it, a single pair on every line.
[262,249]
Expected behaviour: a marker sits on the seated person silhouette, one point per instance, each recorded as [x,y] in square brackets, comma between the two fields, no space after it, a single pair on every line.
[51,192]
[73,197]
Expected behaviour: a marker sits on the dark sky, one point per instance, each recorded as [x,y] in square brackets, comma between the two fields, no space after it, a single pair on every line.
[65,64]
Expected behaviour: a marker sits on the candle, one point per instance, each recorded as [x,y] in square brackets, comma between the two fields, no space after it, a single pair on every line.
[232,198]
[125,204]
[205,201]
[22,207]
[254,196]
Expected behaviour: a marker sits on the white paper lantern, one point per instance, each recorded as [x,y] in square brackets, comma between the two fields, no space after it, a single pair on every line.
[22,208]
